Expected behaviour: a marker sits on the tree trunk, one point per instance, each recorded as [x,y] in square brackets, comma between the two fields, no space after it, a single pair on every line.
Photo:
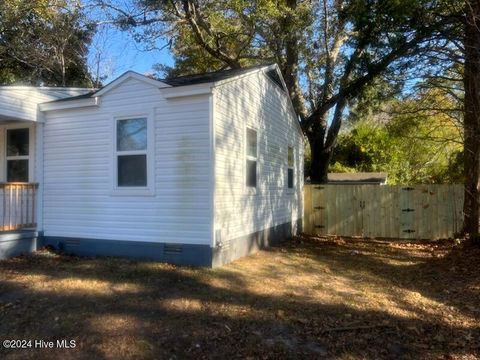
[472,120]
[322,142]
[320,159]
[290,65]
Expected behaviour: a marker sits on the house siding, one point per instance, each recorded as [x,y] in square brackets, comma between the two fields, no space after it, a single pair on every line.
[78,155]
[20,102]
[255,101]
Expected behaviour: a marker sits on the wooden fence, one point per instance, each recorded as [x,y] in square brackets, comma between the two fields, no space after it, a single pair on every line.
[17,206]
[384,211]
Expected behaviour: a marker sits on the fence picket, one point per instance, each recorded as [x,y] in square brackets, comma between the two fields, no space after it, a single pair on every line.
[424,211]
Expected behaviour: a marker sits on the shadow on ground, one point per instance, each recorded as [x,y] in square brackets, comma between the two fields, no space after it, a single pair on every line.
[311,298]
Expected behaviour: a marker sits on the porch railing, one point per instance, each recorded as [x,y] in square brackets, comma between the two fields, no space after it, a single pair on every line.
[18,206]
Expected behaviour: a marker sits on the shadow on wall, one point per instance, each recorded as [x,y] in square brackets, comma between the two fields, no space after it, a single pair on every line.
[241,210]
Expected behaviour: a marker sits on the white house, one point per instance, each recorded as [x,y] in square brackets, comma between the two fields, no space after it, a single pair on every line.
[196,170]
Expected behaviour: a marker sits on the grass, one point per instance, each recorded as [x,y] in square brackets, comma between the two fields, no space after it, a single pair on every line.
[311,298]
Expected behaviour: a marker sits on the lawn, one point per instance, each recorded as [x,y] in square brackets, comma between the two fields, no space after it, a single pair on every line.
[310,298]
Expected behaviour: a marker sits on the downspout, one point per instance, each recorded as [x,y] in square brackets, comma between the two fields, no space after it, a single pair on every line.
[212,166]
[39,173]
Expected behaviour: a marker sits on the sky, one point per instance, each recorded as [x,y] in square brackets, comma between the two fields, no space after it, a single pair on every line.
[118,52]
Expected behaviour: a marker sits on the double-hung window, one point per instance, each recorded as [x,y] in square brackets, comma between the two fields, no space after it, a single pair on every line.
[17,156]
[131,153]
[251,158]
[291,167]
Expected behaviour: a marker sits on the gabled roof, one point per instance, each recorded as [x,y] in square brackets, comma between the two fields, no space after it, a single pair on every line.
[115,83]
[209,77]
[92,98]
[127,76]
[195,79]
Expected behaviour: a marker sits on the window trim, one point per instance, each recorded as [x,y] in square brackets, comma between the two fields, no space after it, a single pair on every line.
[148,190]
[292,167]
[250,189]
[29,157]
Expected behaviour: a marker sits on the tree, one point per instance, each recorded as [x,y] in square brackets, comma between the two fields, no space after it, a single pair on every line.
[472,118]
[44,42]
[334,48]
[416,140]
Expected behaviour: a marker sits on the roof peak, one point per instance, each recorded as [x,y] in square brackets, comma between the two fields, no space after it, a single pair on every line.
[184,80]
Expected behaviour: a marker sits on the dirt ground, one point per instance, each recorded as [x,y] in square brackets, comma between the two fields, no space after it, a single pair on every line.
[311,298]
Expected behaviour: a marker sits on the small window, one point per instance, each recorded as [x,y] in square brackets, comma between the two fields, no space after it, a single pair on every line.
[251,161]
[291,167]
[131,152]
[18,142]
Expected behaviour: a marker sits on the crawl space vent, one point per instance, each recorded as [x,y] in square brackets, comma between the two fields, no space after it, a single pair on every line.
[72,242]
[172,249]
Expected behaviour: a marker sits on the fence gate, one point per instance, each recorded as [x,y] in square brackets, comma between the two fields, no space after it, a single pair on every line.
[387,211]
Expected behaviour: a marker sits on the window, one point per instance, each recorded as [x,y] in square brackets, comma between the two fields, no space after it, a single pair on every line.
[18,143]
[291,166]
[131,152]
[251,154]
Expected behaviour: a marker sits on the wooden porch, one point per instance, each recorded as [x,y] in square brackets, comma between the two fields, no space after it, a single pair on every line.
[18,202]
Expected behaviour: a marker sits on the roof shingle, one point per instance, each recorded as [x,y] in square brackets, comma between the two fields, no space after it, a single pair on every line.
[210,76]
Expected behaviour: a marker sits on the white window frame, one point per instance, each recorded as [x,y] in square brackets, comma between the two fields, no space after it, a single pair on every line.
[148,190]
[29,157]
[292,167]
[250,189]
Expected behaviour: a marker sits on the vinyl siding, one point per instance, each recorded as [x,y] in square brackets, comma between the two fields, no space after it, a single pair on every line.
[255,101]
[78,170]
[20,102]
